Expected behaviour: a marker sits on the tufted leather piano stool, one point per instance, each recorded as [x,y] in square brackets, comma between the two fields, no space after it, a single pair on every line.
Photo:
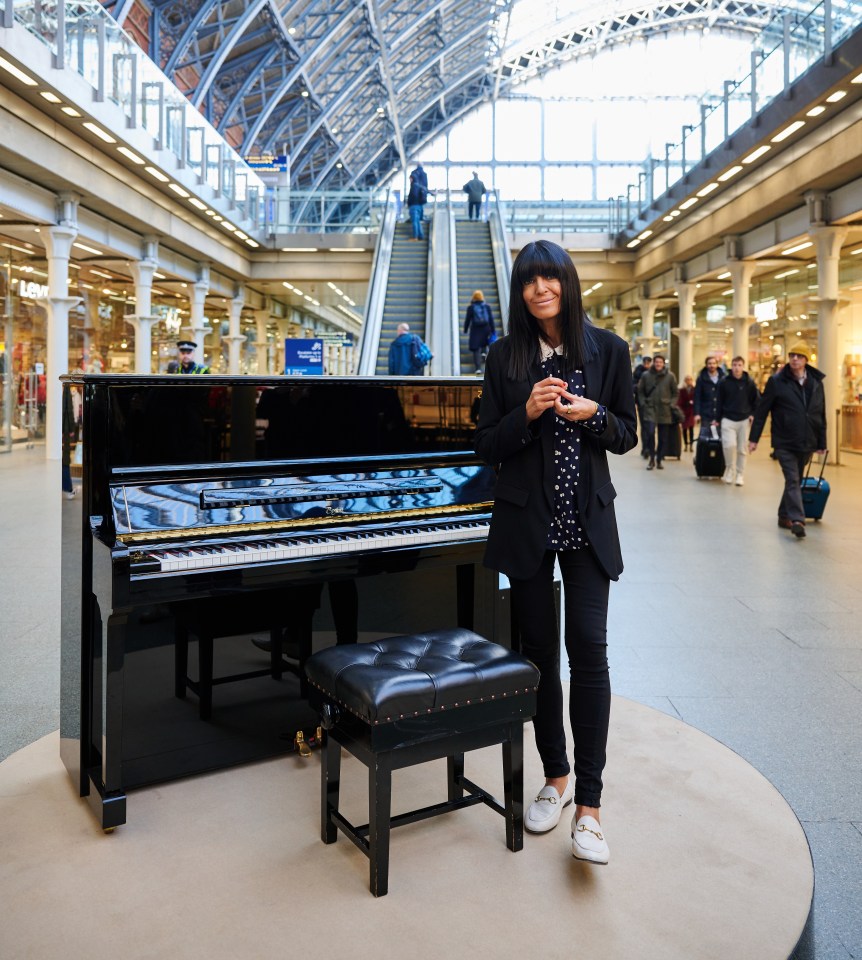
[404,700]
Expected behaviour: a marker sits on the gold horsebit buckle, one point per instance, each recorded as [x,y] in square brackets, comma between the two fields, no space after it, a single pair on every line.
[581,828]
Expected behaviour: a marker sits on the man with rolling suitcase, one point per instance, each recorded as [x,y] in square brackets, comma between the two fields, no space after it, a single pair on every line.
[795,398]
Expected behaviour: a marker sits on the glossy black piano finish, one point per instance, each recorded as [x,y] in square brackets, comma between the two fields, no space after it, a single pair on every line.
[237,498]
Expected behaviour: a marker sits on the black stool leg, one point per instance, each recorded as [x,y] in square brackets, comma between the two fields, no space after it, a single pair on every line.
[513,786]
[330,782]
[379,809]
[455,769]
[181,660]
[205,678]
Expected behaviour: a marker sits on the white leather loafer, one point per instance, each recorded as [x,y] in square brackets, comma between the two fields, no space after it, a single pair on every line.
[588,840]
[739,480]
[545,811]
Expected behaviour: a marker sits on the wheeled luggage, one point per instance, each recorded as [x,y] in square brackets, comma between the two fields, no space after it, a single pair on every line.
[815,491]
[709,455]
[673,447]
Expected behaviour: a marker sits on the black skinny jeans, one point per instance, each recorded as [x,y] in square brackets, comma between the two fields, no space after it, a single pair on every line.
[585,593]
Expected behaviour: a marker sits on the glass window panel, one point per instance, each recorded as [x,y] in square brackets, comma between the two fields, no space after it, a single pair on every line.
[568,183]
[519,183]
[471,138]
[613,181]
[518,130]
[569,130]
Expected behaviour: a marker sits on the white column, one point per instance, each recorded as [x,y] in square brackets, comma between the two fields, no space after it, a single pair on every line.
[234,338]
[198,297]
[261,319]
[91,304]
[58,246]
[741,272]
[685,332]
[620,323]
[143,319]
[828,242]
[647,334]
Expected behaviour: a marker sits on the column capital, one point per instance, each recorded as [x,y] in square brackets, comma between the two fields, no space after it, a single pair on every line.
[828,239]
[819,207]
[58,240]
[66,206]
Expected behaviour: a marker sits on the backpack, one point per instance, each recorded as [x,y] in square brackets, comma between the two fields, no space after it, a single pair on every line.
[481,317]
[419,352]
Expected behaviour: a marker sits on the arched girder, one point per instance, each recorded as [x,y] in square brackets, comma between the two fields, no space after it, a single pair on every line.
[254,75]
[349,91]
[290,81]
[463,42]
[206,9]
[224,49]
[579,37]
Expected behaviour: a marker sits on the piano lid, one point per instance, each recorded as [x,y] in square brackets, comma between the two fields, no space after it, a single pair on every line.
[160,510]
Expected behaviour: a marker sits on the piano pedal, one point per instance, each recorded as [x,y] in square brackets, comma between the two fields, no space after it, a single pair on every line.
[300,744]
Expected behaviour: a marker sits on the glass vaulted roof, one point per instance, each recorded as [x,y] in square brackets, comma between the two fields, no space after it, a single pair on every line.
[351,90]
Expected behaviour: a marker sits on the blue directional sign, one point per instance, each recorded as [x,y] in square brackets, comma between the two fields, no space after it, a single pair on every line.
[303,358]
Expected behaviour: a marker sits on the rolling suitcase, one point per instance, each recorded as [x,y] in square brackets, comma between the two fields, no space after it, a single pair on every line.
[673,449]
[709,455]
[815,491]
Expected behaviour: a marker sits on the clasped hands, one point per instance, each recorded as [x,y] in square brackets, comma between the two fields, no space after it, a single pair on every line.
[552,392]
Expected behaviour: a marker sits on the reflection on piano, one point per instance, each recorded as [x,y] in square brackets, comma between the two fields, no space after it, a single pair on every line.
[190,513]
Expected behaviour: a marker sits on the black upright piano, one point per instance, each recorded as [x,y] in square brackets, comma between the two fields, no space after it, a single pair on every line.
[350,508]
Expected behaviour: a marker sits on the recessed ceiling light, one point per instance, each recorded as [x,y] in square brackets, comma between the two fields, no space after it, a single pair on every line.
[707,189]
[99,132]
[815,111]
[788,130]
[688,203]
[23,77]
[732,172]
[786,273]
[126,152]
[70,111]
[797,247]
[645,234]
[154,172]
[178,190]
[633,243]
[724,276]
[299,249]
[251,243]
[835,97]
[197,203]
[755,154]
[667,219]
[50,97]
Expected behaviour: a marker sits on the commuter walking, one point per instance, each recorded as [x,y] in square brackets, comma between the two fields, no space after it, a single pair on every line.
[685,401]
[658,392]
[475,190]
[637,373]
[737,400]
[556,382]
[479,322]
[706,395]
[406,353]
[416,198]
[795,398]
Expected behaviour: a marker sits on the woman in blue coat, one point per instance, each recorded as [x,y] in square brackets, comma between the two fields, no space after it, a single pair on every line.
[556,398]
[479,323]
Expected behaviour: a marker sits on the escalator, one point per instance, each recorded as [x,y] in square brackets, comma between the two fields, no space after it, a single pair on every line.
[476,271]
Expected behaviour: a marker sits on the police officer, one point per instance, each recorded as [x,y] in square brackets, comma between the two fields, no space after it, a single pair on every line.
[187,358]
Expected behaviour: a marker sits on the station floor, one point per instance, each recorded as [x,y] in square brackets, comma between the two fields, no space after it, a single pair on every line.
[721,620]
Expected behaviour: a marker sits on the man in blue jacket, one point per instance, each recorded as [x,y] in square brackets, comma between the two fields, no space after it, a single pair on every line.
[403,361]
[706,394]
[795,398]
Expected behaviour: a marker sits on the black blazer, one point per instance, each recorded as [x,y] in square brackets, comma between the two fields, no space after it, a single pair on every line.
[524,493]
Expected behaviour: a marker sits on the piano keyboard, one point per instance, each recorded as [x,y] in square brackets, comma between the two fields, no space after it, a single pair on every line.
[205,555]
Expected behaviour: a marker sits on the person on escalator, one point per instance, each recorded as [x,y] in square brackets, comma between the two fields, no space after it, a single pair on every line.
[479,323]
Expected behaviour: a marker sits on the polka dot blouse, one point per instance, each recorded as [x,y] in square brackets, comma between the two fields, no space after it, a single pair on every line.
[566,532]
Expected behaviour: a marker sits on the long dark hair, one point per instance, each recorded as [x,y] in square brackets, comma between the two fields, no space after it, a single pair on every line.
[542,258]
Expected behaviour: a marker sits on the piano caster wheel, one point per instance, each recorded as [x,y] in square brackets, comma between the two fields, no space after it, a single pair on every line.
[109,829]
[299,744]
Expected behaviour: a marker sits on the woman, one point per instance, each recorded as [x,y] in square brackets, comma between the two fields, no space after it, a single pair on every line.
[557,396]
[685,401]
[479,322]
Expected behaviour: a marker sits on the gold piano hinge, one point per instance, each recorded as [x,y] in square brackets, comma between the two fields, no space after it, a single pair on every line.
[299,744]
[235,529]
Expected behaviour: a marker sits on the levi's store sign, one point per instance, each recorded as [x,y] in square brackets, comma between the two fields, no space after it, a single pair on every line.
[35,291]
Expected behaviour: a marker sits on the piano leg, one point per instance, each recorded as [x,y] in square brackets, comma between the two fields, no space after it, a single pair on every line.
[104,767]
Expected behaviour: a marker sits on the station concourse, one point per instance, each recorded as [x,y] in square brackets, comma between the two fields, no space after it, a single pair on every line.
[235,175]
